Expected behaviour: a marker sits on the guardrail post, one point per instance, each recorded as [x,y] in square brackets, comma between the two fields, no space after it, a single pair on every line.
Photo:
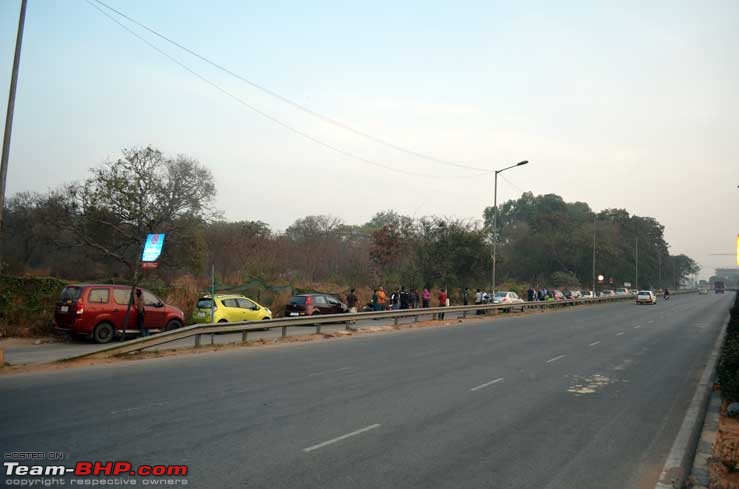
[243,336]
[395,321]
[284,331]
[212,338]
[197,340]
[464,314]
[318,329]
[415,318]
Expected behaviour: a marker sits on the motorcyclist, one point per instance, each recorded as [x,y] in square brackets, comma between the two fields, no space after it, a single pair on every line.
[667,294]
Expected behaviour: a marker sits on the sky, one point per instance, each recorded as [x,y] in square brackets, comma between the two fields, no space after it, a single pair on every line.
[621,104]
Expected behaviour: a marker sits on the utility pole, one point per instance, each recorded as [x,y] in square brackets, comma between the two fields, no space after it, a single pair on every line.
[594,224]
[9,123]
[636,255]
[659,267]
[495,218]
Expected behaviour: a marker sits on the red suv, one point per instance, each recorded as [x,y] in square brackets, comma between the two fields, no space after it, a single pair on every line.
[97,312]
[313,304]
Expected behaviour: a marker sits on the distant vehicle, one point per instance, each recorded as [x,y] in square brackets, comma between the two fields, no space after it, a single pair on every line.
[572,294]
[314,304]
[703,291]
[646,297]
[586,294]
[228,309]
[719,287]
[622,292]
[96,311]
[506,298]
[556,295]
[607,293]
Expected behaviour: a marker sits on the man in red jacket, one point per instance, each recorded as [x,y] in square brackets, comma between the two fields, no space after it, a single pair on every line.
[442,301]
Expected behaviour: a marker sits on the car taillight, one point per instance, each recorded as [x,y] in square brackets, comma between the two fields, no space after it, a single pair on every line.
[80,308]
[308,301]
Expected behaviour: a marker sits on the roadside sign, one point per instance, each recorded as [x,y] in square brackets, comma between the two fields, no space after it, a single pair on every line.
[146,265]
[152,248]
[627,284]
[610,280]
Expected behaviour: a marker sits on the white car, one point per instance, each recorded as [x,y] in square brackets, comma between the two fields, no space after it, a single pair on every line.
[607,293]
[586,294]
[646,297]
[622,292]
[506,298]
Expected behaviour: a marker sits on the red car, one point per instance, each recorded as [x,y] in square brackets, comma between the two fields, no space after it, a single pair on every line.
[97,312]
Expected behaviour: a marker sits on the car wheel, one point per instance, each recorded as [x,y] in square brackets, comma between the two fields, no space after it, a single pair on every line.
[103,333]
[172,325]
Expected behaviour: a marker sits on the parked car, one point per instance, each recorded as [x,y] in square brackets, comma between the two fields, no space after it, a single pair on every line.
[586,294]
[703,291]
[229,308]
[556,295]
[572,294]
[506,298]
[646,297]
[313,304]
[607,293]
[96,311]
[622,292]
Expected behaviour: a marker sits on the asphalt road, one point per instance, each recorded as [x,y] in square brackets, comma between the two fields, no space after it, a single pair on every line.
[586,398]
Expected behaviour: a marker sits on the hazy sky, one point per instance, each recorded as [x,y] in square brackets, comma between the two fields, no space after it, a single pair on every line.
[621,104]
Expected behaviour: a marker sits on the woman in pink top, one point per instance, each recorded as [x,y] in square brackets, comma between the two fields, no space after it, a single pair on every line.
[426,297]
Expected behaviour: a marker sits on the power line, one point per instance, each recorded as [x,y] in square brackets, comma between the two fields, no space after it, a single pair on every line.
[291,102]
[266,115]
[513,184]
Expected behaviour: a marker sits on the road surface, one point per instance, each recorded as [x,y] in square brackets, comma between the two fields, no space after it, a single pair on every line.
[588,398]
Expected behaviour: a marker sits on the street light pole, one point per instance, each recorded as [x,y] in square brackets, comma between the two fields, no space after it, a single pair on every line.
[495,218]
[595,220]
[9,122]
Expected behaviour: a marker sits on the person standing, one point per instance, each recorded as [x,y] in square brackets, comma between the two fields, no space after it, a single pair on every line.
[351,301]
[395,299]
[404,299]
[414,298]
[426,298]
[478,301]
[466,297]
[382,299]
[375,301]
[442,301]
[531,294]
[140,314]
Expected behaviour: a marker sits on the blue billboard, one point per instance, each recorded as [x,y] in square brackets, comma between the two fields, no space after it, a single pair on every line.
[152,248]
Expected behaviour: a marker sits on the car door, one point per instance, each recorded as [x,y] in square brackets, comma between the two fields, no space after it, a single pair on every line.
[249,309]
[320,302]
[155,316]
[97,306]
[231,310]
[121,297]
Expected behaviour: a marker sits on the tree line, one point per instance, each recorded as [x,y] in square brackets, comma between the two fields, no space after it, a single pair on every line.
[94,230]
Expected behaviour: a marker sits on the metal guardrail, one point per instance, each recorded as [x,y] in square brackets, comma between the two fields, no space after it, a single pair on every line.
[244,327]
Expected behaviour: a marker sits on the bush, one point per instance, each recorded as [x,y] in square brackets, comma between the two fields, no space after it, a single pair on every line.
[728,364]
[27,305]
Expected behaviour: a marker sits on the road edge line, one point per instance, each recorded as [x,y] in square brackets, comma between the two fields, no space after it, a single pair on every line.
[680,459]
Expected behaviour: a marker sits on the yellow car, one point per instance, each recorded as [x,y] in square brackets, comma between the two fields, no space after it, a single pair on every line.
[228,309]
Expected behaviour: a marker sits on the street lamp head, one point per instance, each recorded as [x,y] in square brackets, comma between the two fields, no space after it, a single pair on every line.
[521,163]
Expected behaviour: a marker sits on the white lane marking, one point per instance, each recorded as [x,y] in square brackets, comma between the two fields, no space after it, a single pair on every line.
[619,334]
[637,326]
[322,372]
[342,437]
[139,408]
[486,384]
[594,343]
[555,359]
[651,321]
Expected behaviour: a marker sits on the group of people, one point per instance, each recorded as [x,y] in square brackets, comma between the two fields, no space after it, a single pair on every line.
[401,298]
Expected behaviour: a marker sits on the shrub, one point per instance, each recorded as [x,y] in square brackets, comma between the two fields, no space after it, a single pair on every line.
[27,304]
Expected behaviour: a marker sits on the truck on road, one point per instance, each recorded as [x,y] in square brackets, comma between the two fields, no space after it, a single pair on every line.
[719,287]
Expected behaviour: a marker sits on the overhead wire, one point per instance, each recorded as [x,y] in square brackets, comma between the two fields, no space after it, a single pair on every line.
[285,125]
[289,101]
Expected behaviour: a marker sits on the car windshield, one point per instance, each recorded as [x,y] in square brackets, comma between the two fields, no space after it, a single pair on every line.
[297,300]
[501,294]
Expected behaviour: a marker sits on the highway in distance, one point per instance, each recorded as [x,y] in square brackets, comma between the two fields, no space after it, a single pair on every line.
[586,397]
